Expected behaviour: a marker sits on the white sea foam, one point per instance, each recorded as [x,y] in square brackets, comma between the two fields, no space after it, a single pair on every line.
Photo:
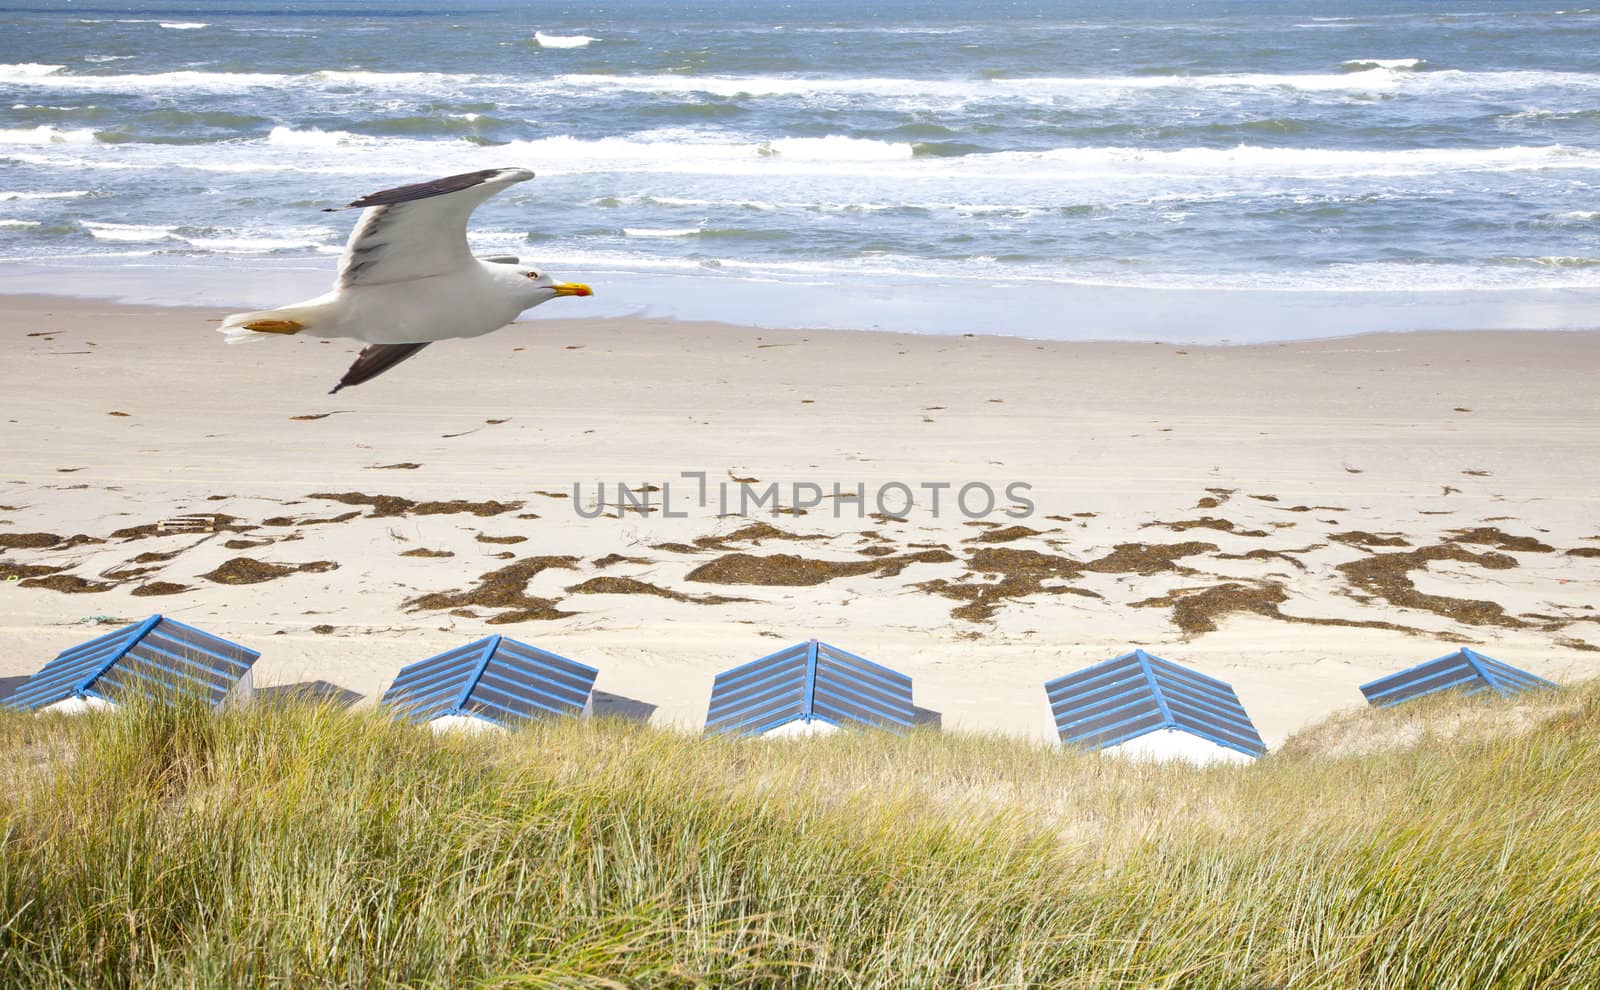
[8,196]
[45,134]
[187,80]
[562,40]
[661,231]
[319,240]
[1565,261]
[107,58]
[905,92]
[183,25]
[312,137]
[1581,216]
[127,231]
[1085,87]
[1398,64]
[837,148]
[1355,278]
[260,244]
[27,70]
[400,81]
[336,152]
[19,224]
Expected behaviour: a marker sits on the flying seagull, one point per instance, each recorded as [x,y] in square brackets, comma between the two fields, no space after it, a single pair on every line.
[407,278]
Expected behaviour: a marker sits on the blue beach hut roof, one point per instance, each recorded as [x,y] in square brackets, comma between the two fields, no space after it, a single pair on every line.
[156,658]
[1139,693]
[1466,670]
[496,679]
[809,682]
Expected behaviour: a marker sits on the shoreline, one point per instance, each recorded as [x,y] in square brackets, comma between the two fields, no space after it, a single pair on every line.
[1325,507]
[1043,311]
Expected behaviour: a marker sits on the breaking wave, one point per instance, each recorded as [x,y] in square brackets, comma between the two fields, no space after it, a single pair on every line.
[563,40]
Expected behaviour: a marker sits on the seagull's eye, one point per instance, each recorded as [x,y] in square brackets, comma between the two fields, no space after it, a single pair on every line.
[533,274]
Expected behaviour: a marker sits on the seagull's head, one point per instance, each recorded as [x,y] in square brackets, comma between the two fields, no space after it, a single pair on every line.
[540,287]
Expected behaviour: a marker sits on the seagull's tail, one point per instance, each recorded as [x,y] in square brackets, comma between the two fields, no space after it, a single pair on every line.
[263,323]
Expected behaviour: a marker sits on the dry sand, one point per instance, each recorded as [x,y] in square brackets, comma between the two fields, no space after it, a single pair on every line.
[1295,519]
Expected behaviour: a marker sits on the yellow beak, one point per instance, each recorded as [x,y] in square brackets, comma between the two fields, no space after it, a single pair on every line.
[572,289]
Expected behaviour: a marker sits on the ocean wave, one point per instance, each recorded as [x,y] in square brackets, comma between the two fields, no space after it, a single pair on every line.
[218,240]
[824,207]
[1376,78]
[27,70]
[259,245]
[1398,64]
[45,134]
[563,40]
[1357,278]
[8,196]
[105,231]
[19,224]
[564,152]
[1559,261]
[189,80]
[980,271]
[183,25]
[383,81]
[660,231]
[1346,161]
[1401,78]
[342,152]
[311,137]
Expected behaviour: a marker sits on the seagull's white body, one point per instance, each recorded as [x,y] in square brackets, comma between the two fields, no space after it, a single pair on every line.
[471,301]
[408,279]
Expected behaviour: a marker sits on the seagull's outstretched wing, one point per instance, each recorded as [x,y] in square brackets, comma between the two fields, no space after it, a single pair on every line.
[419,230]
[374,360]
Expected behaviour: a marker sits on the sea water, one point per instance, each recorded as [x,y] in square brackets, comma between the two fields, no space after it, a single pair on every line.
[1199,170]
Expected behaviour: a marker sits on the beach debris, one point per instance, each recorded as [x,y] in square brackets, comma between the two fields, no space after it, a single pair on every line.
[609,585]
[1198,610]
[789,570]
[1021,573]
[28,541]
[248,570]
[504,588]
[1387,576]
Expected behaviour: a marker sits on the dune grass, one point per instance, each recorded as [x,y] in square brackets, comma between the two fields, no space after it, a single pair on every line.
[306,846]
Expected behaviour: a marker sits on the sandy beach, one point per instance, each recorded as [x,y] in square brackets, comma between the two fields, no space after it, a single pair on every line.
[1293,518]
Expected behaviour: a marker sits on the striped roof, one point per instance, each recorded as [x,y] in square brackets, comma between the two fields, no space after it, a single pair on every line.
[496,679]
[808,682]
[1138,693]
[1466,670]
[156,658]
